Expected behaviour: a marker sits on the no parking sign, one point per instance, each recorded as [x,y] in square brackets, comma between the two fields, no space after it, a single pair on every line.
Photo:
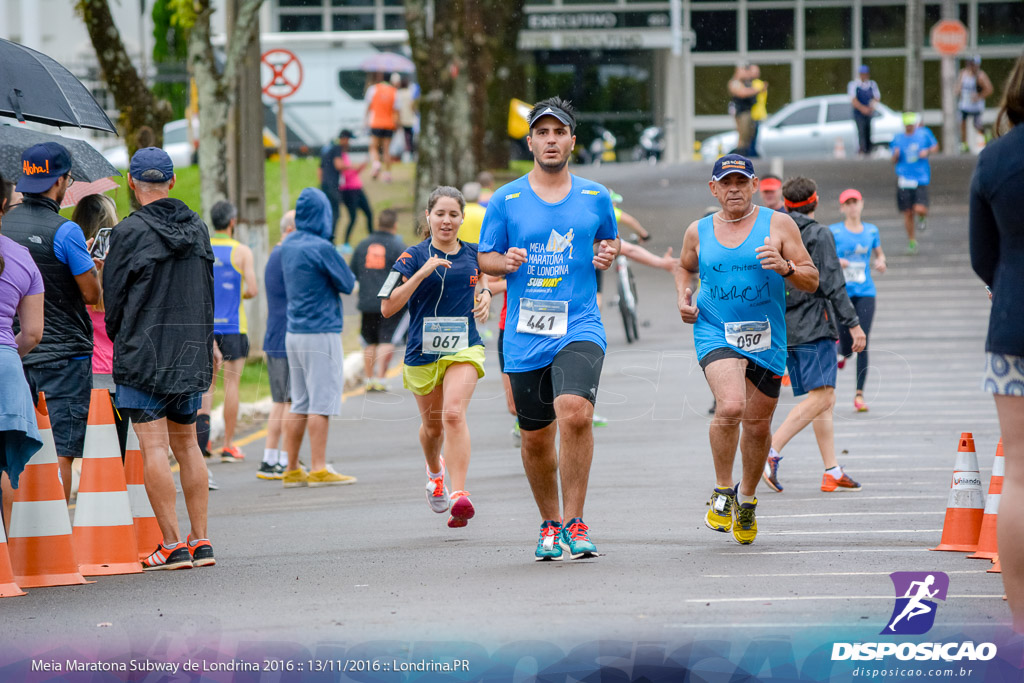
[281,73]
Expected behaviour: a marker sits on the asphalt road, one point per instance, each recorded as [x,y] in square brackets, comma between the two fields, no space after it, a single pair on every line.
[370,562]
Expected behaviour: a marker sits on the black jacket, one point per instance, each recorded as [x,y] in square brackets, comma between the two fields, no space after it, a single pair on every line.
[67,328]
[158,295]
[810,316]
[997,237]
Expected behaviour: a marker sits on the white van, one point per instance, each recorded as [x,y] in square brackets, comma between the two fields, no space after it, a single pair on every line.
[330,97]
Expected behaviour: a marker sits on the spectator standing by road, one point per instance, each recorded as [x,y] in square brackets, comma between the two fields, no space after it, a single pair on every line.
[744,97]
[997,255]
[274,459]
[21,294]
[974,86]
[910,152]
[94,213]
[408,103]
[329,178]
[234,281]
[159,304]
[61,365]
[372,261]
[864,96]
[759,112]
[314,275]
[351,188]
[382,120]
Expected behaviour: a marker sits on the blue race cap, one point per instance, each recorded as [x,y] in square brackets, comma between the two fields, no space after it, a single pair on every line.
[41,166]
[151,165]
[732,163]
[864,69]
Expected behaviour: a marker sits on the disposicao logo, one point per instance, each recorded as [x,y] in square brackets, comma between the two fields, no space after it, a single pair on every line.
[914,614]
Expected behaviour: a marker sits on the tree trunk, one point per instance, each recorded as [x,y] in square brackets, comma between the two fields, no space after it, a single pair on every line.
[495,26]
[441,54]
[142,115]
[217,93]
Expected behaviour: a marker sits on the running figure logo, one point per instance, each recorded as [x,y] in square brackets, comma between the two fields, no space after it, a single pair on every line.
[558,243]
[915,592]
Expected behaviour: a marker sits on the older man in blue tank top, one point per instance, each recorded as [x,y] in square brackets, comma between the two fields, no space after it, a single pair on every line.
[742,254]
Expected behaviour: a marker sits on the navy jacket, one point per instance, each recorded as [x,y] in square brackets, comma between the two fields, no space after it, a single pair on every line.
[997,237]
[314,272]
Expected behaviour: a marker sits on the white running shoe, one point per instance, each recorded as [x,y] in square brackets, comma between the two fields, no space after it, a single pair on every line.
[437,492]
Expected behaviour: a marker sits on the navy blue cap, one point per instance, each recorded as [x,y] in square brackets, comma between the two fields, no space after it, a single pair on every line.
[732,163]
[558,113]
[41,166]
[151,165]
[864,69]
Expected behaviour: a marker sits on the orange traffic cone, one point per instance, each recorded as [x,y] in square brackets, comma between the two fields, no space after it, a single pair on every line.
[104,534]
[997,569]
[988,548]
[147,531]
[40,540]
[966,505]
[8,586]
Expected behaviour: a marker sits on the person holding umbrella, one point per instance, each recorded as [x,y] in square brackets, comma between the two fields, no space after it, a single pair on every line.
[61,365]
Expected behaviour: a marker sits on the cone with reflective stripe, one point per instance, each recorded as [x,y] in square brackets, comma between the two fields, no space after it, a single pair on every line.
[988,548]
[966,505]
[147,531]
[104,533]
[40,544]
[8,586]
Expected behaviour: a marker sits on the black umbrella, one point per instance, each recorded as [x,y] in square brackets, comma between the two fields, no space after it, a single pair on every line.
[87,164]
[34,87]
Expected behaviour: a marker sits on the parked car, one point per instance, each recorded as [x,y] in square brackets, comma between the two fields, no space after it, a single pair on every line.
[809,128]
[176,144]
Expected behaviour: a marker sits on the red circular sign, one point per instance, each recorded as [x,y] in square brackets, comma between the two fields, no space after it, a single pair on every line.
[281,73]
[949,37]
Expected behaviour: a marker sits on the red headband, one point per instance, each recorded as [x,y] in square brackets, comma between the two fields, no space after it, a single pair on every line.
[796,205]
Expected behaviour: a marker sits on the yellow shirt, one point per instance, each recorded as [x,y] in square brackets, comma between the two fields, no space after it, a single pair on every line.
[759,112]
[473,220]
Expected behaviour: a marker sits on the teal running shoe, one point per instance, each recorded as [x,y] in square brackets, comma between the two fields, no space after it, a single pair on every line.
[576,541]
[548,547]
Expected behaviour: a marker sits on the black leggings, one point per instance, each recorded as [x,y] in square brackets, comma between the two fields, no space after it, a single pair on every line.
[355,201]
[865,306]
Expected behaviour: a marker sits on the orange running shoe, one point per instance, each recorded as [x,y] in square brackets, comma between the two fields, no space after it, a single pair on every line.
[844,483]
[231,454]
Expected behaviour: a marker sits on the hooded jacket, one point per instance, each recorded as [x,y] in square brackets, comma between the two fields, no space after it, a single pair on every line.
[810,315]
[314,272]
[158,295]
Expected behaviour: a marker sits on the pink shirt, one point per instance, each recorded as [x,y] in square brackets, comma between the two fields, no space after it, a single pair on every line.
[350,179]
[103,348]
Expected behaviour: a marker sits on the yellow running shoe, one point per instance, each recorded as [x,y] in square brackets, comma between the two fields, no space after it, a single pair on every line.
[719,517]
[744,529]
[295,478]
[328,477]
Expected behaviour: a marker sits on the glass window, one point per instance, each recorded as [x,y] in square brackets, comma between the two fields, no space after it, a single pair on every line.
[352,3]
[301,22]
[827,76]
[801,117]
[770,29]
[997,71]
[711,96]
[353,22]
[828,28]
[175,135]
[779,79]
[353,82]
[394,22]
[884,26]
[838,112]
[889,73]
[300,3]
[1001,22]
[716,31]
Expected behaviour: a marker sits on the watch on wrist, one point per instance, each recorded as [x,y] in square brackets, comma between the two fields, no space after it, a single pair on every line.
[792,268]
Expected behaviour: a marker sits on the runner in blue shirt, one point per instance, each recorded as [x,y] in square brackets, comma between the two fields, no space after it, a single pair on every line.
[445,356]
[910,152]
[540,232]
[742,253]
[856,244]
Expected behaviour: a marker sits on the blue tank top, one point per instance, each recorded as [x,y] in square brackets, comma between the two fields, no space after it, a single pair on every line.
[228,311]
[735,292]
